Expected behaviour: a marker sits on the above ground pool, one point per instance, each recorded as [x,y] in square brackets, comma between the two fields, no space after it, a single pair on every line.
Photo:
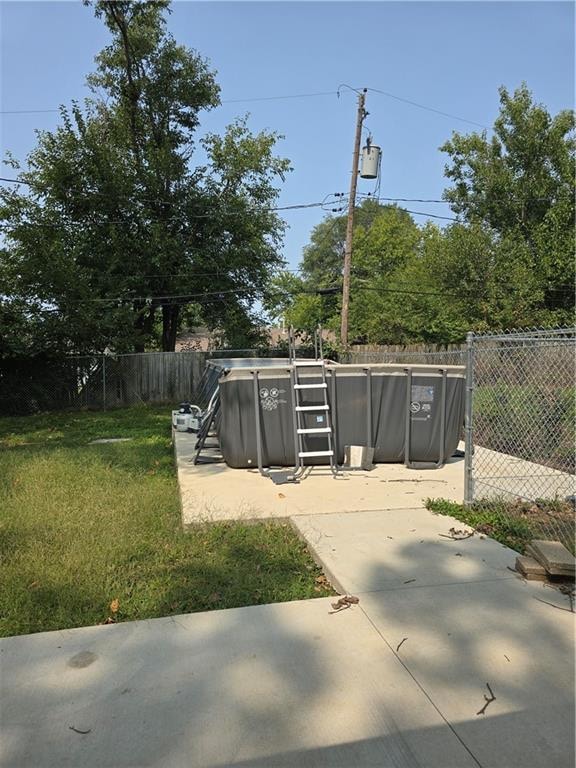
[408,413]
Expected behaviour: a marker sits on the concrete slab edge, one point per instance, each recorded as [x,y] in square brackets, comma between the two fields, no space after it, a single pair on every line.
[332,578]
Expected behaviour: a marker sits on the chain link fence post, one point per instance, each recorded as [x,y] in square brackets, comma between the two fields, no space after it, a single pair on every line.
[468,422]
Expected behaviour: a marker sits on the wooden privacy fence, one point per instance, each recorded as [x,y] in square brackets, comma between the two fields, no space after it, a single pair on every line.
[99,382]
[153,377]
[156,377]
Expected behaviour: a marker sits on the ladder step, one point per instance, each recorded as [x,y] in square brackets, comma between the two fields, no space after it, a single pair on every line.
[304,454]
[308,363]
[311,386]
[315,431]
[312,407]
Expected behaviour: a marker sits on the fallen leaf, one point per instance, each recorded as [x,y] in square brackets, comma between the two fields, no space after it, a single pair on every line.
[281,496]
[346,601]
[34,584]
[321,579]
[114,605]
[109,620]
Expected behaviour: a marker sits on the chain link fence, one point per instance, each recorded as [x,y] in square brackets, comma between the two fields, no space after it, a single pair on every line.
[520,432]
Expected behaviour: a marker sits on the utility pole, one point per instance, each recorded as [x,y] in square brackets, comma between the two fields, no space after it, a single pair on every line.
[350,223]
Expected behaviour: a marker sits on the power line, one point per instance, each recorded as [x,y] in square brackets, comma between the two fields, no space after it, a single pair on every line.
[407,293]
[191,275]
[363,195]
[508,198]
[281,97]
[363,274]
[190,297]
[224,101]
[26,111]
[429,109]
[180,296]
[339,199]
[275,98]
[340,196]
[183,218]
[431,215]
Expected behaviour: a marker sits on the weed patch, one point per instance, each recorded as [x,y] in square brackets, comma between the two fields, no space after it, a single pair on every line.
[514,524]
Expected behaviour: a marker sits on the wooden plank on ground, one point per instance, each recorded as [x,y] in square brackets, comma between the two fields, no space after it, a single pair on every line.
[530,568]
[553,556]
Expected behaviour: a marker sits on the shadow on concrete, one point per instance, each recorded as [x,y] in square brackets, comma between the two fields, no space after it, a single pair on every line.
[384,752]
[272,685]
[456,636]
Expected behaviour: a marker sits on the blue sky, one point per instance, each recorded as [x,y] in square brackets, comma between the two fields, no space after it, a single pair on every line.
[451,56]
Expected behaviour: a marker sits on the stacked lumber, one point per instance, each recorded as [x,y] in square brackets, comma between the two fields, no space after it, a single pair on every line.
[545,559]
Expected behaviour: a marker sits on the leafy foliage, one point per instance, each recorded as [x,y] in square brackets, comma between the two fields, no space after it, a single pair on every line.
[118,226]
[520,185]
[508,261]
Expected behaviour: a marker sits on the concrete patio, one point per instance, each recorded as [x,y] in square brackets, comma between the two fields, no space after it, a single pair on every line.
[398,681]
[214,491]
[395,682]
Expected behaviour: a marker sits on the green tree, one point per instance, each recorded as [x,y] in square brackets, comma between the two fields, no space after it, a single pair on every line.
[313,297]
[459,280]
[118,227]
[381,253]
[520,184]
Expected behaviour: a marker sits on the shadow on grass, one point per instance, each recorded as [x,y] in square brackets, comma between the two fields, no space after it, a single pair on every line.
[220,565]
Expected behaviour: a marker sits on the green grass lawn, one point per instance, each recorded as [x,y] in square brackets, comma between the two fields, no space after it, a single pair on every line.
[83,525]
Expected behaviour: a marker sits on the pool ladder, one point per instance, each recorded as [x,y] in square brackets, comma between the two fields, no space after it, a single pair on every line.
[321,409]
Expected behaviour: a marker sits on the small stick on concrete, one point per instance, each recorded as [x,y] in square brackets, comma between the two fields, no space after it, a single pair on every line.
[400,643]
[339,610]
[569,591]
[506,657]
[560,608]
[487,700]
[77,730]
[409,581]
[456,538]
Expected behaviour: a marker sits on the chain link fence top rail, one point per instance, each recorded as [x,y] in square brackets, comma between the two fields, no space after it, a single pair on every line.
[523,428]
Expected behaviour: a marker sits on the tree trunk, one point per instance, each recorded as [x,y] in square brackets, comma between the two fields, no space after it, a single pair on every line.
[170,317]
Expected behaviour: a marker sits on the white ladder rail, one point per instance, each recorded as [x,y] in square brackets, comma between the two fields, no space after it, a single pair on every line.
[326,431]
